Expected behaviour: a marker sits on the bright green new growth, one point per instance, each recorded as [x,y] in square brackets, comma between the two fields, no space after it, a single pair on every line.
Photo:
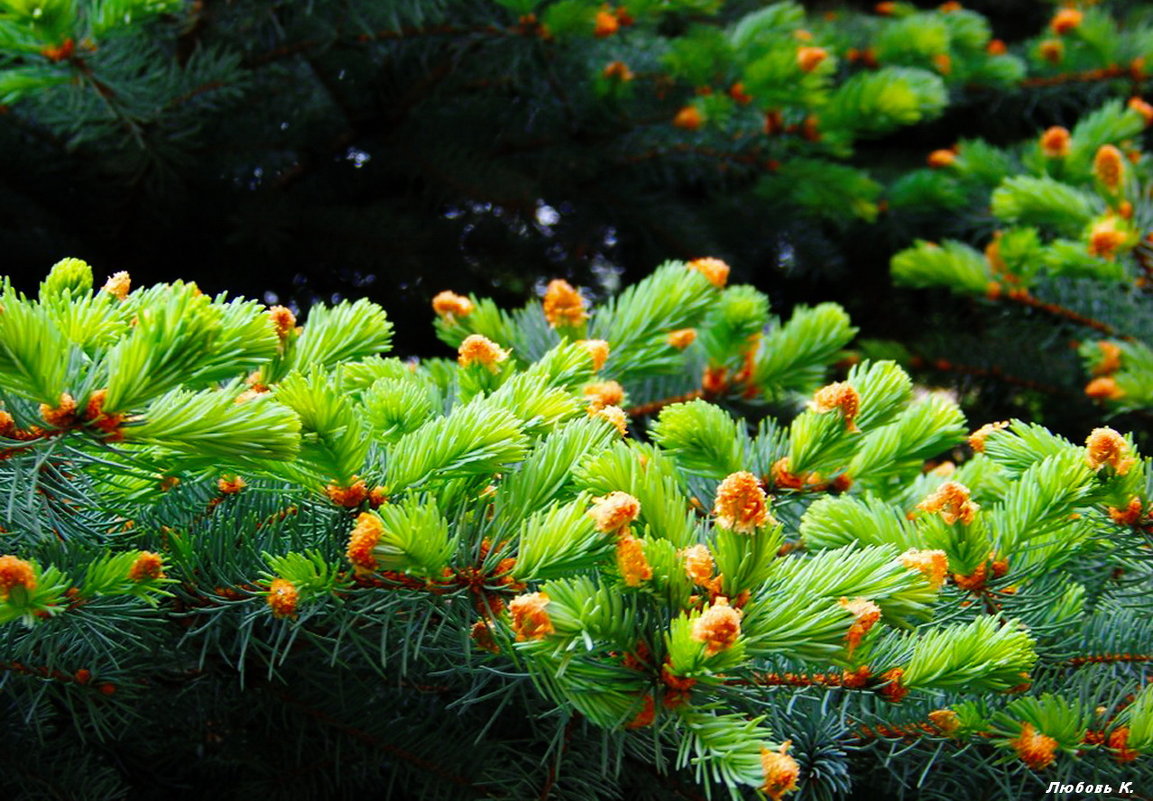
[668,577]
[1071,241]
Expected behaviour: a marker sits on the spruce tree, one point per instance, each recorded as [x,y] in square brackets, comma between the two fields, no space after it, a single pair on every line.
[347,148]
[1069,253]
[650,542]
[245,555]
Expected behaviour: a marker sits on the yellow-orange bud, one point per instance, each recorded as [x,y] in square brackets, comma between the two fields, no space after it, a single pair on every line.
[718,627]
[451,305]
[631,562]
[1035,749]
[282,598]
[809,58]
[737,92]
[941,158]
[1106,238]
[1104,388]
[1052,50]
[283,321]
[615,511]
[617,70]
[118,285]
[1119,742]
[598,351]
[15,572]
[1142,108]
[604,393]
[933,565]
[7,425]
[645,716]
[893,690]
[606,24]
[951,501]
[741,504]
[946,720]
[1056,142]
[530,618]
[978,437]
[1109,167]
[148,566]
[1104,446]
[230,485]
[682,337]
[350,496]
[866,613]
[62,415]
[615,415]
[781,770]
[1110,358]
[483,637]
[715,270]
[362,542]
[689,118]
[840,396]
[96,417]
[1065,20]
[478,349]
[1129,516]
[563,304]
[699,564]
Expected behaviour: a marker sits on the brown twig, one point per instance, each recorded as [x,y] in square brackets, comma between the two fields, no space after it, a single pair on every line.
[944,365]
[1097,659]
[790,680]
[1023,298]
[1088,76]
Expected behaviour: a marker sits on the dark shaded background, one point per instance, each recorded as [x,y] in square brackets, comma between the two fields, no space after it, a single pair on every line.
[398,170]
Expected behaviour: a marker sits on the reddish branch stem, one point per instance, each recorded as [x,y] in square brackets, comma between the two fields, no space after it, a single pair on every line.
[1056,310]
[1098,659]
[25,435]
[1088,76]
[81,678]
[790,680]
[944,365]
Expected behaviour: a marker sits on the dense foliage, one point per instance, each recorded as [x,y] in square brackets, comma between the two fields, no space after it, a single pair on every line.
[1074,245]
[350,148]
[886,540]
[252,556]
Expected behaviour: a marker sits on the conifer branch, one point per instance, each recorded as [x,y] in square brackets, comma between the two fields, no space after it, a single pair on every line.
[498,514]
[995,373]
[654,407]
[1024,298]
[1135,71]
[798,680]
[80,677]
